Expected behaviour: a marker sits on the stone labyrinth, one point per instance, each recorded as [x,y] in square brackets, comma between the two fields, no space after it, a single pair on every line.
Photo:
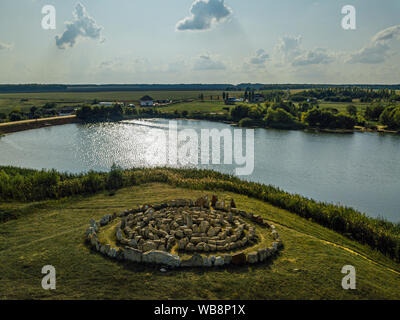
[186,233]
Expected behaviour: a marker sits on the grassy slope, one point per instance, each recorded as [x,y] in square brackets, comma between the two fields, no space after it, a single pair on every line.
[52,233]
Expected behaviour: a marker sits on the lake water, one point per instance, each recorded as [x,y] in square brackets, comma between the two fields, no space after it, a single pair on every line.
[360,170]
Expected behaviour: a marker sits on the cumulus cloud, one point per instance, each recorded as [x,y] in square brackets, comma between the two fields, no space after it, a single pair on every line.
[316,56]
[289,46]
[372,54]
[378,49]
[206,62]
[391,33]
[291,50]
[5,46]
[259,58]
[83,26]
[204,15]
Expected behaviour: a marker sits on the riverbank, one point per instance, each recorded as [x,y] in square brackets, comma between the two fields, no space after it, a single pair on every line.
[11,127]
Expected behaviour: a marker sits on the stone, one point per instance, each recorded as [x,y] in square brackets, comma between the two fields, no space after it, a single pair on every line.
[161,257]
[214,200]
[133,255]
[219,261]
[189,220]
[252,257]
[182,243]
[262,255]
[195,261]
[207,262]
[149,245]
[112,253]
[239,259]
[119,235]
[227,259]
[133,243]
[204,226]
[105,220]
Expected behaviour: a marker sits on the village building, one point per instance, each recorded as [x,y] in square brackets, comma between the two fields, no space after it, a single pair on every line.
[146,101]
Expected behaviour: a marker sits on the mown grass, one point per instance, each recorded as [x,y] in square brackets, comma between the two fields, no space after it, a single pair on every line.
[307,268]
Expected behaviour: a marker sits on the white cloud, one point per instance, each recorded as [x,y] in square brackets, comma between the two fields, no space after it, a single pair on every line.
[291,50]
[316,56]
[204,15]
[391,33]
[372,54]
[5,46]
[206,62]
[289,46]
[378,49]
[259,58]
[83,26]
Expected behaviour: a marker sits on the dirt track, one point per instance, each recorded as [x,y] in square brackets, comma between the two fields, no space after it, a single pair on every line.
[16,126]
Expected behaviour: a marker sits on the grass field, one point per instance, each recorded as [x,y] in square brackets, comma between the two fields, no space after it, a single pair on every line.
[8,102]
[24,101]
[52,232]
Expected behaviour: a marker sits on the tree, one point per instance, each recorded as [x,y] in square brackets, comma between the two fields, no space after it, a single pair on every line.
[351,110]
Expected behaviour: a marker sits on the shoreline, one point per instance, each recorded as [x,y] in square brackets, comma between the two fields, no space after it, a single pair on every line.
[17,126]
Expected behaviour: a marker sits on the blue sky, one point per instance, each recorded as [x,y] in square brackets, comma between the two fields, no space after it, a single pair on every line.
[192,41]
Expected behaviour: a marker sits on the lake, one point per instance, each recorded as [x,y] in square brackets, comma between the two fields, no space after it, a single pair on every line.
[361,170]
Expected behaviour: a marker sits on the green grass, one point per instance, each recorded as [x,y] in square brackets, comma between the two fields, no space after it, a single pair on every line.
[341,107]
[52,232]
[197,107]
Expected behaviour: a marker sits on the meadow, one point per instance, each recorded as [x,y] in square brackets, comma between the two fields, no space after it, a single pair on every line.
[52,232]
[24,101]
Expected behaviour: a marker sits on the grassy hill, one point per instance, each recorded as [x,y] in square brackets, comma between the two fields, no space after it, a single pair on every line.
[52,232]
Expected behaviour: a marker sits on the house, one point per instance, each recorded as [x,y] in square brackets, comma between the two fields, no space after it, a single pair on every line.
[230,101]
[146,101]
[106,104]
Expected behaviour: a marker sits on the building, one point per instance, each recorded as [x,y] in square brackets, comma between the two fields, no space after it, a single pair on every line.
[230,101]
[106,104]
[146,101]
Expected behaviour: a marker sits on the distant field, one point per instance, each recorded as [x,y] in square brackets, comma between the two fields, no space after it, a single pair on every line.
[8,102]
[342,106]
[24,101]
[197,106]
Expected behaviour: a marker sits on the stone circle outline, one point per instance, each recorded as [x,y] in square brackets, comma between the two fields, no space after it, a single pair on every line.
[132,253]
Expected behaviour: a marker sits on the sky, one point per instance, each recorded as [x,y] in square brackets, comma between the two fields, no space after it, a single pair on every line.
[199,41]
